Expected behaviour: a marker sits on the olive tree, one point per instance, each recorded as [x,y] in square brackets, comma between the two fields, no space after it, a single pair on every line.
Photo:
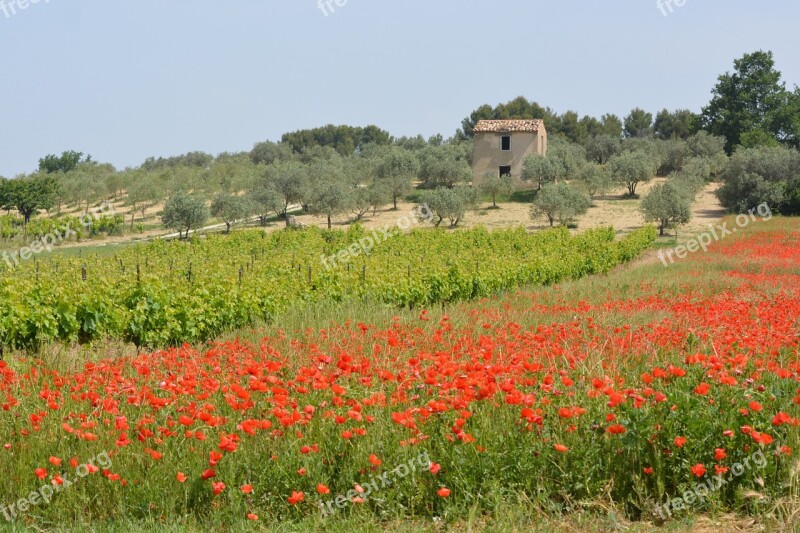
[143,193]
[493,184]
[632,168]
[669,204]
[394,168]
[601,148]
[450,204]
[331,197]
[265,199]
[540,170]
[754,176]
[560,202]
[230,208]
[444,166]
[184,213]
[595,179]
[291,181]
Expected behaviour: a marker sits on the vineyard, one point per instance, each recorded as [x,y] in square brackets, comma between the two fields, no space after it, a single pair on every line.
[167,293]
[12,227]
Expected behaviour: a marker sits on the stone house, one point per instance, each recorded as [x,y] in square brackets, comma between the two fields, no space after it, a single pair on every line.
[501,146]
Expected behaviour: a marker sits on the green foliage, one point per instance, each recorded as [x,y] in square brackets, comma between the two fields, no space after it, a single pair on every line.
[450,204]
[191,291]
[190,159]
[675,125]
[540,169]
[560,202]
[346,140]
[632,168]
[67,161]
[753,106]
[332,196]
[569,126]
[674,155]
[568,157]
[266,153]
[611,125]
[265,199]
[184,213]
[760,175]
[394,168]
[6,197]
[30,194]
[669,204]
[143,192]
[230,208]
[372,196]
[493,185]
[595,178]
[757,138]
[601,148]
[290,179]
[445,165]
[638,123]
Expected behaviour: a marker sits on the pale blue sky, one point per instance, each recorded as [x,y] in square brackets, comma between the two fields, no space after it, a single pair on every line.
[125,80]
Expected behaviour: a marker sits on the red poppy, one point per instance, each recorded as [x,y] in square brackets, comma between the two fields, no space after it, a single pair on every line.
[296,497]
[702,389]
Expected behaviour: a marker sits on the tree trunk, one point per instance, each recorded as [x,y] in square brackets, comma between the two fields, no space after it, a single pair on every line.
[394,198]
[329,222]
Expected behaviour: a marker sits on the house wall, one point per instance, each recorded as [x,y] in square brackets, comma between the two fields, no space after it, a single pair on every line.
[488,155]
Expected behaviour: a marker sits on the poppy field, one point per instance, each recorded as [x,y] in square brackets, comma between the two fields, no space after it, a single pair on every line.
[620,391]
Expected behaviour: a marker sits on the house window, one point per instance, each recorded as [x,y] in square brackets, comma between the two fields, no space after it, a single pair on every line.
[506,143]
[505,171]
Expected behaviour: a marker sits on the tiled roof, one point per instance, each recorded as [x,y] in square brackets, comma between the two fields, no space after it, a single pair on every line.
[508,126]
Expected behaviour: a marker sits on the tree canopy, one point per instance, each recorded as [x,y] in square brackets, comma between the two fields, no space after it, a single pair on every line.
[184,213]
[752,106]
[67,161]
[344,139]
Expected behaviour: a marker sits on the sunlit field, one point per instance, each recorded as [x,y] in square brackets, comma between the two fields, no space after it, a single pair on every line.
[647,396]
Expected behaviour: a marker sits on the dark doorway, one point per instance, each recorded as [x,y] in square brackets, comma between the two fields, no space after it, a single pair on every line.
[505,171]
